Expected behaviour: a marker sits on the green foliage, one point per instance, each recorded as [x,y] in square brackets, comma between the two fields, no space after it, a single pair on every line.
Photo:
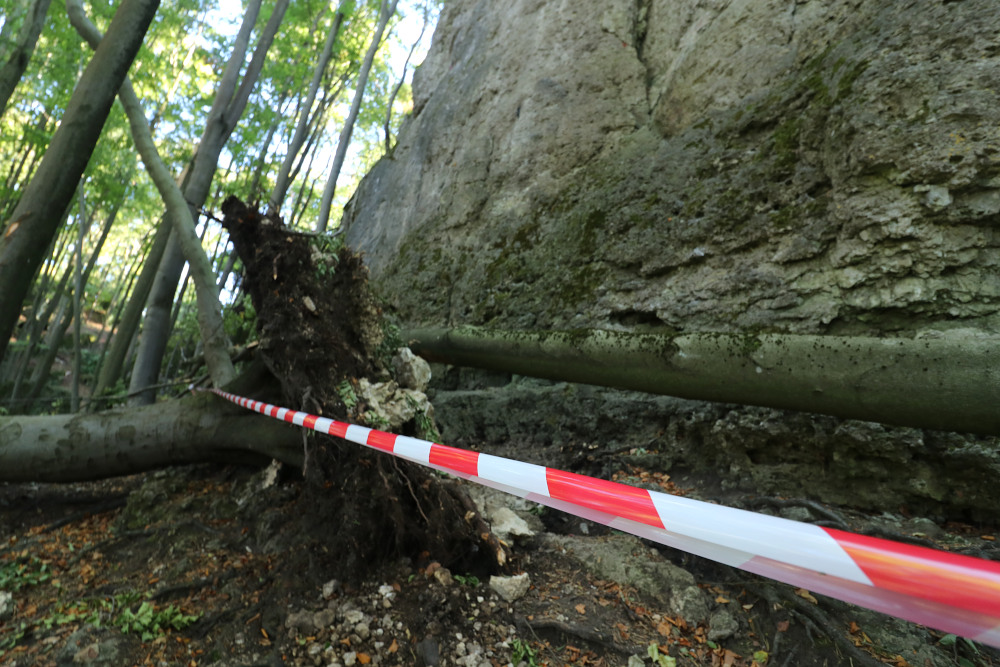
[89,360]
[22,573]
[375,420]
[176,75]
[346,392]
[660,660]
[328,249]
[392,340]
[470,580]
[426,428]
[240,321]
[149,622]
[521,651]
[972,658]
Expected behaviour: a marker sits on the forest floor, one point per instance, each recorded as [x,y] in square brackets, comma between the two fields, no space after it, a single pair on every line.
[192,566]
[237,566]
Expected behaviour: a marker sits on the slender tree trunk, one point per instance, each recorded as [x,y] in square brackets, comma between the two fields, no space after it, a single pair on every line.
[127,326]
[209,310]
[35,331]
[399,84]
[386,11]
[155,328]
[57,332]
[227,268]
[36,218]
[254,189]
[117,305]
[15,60]
[950,383]
[74,403]
[50,350]
[229,104]
[283,180]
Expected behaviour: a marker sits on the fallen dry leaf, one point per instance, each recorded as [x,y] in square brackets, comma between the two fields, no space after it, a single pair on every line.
[581,608]
[364,658]
[393,647]
[806,595]
[782,626]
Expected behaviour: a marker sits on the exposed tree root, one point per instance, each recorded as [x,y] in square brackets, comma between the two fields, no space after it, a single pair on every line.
[319,328]
[832,519]
[816,622]
[586,634]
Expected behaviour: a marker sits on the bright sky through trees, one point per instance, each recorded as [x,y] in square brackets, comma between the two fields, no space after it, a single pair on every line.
[403,32]
[176,76]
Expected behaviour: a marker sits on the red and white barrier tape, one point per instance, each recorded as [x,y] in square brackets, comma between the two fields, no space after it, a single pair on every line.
[950,592]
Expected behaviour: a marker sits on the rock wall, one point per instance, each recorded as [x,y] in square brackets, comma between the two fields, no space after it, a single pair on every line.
[820,166]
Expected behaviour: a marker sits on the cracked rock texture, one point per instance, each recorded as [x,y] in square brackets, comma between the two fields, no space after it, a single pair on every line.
[797,166]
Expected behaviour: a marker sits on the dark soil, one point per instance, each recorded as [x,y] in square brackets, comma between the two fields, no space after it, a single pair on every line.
[364,559]
[222,545]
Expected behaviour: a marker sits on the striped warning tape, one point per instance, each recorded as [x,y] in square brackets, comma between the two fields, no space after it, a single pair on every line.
[950,592]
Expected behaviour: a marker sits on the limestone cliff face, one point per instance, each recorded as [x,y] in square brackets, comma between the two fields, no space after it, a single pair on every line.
[810,166]
[800,166]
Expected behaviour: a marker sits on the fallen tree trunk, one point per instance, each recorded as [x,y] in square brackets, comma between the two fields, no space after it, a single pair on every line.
[82,447]
[949,383]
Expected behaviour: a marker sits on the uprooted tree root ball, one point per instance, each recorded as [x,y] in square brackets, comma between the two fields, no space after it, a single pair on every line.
[319,326]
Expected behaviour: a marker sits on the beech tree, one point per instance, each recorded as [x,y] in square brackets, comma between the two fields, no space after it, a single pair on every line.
[196,96]
[230,100]
[37,217]
[386,11]
[14,58]
[209,310]
[948,383]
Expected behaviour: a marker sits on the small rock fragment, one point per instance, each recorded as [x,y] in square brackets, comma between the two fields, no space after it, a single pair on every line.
[443,576]
[300,621]
[331,588]
[507,524]
[511,588]
[412,372]
[428,652]
[722,625]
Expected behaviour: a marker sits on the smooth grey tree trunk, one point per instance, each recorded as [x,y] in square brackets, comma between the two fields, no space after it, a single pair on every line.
[37,217]
[949,383]
[283,179]
[229,104]
[116,307]
[43,365]
[399,84]
[209,310]
[126,326]
[14,60]
[81,447]
[78,285]
[387,9]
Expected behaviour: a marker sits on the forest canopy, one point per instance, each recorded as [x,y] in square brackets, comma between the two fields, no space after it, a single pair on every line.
[284,104]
